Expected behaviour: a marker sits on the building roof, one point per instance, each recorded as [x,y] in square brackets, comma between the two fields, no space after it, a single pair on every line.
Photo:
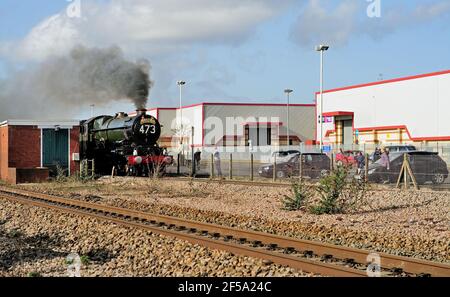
[387,81]
[233,104]
[42,123]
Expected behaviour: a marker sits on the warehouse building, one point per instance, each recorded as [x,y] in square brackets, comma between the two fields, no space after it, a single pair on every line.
[236,125]
[405,110]
[31,150]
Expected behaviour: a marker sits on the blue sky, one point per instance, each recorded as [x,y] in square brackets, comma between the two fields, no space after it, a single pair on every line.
[252,57]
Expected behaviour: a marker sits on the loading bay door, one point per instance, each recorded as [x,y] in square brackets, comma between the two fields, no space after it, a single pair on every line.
[347,131]
[55,149]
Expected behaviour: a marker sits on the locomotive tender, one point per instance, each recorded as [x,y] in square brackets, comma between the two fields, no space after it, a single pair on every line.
[126,143]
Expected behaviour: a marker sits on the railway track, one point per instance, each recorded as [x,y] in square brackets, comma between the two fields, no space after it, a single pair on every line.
[313,257]
[270,183]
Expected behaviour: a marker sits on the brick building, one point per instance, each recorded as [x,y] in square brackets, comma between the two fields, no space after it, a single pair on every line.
[31,150]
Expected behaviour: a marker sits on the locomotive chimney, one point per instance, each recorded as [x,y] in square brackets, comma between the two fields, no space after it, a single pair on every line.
[141,111]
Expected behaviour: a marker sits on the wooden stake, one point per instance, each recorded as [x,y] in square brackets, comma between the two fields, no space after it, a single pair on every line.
[231,166]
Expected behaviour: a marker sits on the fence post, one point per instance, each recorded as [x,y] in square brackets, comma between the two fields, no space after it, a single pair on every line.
[212,166]
[93,167]
[251,167]
[332,162]
[300,165]
[231,166]
[366,168]
[178,164]
[192,153]
[274,171]
[405,176]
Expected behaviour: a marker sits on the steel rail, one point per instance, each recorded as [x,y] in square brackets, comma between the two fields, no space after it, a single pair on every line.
[270,183]
[304,265]
[409,265]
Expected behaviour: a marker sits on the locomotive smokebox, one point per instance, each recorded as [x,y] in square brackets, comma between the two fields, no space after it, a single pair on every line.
[140,112]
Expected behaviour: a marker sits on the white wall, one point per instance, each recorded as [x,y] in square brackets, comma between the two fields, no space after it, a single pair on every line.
[421,104]
[192,117]
[302,118]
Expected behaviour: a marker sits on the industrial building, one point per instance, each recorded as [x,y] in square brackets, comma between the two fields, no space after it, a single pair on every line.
[30,150]
[411,109]
[236,124]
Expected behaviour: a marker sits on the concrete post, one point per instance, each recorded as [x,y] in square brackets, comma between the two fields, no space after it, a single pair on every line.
[231,166]
[212,165]
[251,167]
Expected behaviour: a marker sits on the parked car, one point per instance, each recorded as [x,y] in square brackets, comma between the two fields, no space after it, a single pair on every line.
[284,155]
[426,166]
[314,166]
[394,149]
[347,158]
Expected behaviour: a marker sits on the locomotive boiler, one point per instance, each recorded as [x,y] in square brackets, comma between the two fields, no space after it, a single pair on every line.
[126,143]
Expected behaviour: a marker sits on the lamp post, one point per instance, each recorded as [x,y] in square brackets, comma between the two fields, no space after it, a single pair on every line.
[288,93]
[321,48]
[92,110]
[180,84]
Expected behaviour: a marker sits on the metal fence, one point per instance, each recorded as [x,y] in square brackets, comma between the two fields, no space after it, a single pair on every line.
[428,165]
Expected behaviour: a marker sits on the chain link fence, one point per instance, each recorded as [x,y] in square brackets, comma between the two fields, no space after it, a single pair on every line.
[428,165]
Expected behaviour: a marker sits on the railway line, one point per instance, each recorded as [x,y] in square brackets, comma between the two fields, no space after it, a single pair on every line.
[308,256]
[288,184]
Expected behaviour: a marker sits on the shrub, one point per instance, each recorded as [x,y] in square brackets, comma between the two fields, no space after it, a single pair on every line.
[15,233]
[85,260]
[300,194]
[339,193]
[34,274]
[60,174]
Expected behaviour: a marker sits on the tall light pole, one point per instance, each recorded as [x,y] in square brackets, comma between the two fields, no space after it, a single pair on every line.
[321,48]
[288,93]
[92,110]
[180,84]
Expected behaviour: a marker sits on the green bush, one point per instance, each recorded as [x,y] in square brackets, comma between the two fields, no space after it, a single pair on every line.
[300,194]
[339,193]
[85,260]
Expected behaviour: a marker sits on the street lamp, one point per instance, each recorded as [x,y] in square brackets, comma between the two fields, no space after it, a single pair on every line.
[92,110]
[288,92]
[180,84]
[321,48]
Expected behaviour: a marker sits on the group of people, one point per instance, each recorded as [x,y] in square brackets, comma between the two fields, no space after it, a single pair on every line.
[382,154]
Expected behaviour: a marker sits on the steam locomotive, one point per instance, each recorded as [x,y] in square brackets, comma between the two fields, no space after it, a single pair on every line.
[126,144]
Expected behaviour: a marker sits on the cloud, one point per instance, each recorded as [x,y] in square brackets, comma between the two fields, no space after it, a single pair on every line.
[153,27]
[320,21]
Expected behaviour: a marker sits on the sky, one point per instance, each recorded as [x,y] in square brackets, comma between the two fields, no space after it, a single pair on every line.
[229,50]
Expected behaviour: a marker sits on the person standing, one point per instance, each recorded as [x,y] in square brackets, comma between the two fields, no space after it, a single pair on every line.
[385,163]
[217,163]
[197,159]
[360,162]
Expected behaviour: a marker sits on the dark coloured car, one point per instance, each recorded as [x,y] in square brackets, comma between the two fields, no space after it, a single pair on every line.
[426,166]
[313,166]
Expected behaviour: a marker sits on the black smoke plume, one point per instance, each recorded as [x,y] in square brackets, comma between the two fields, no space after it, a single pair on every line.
[67,83]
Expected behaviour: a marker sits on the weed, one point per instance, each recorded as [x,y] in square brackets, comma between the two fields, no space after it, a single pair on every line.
[85,260]
[300,194]
[15,233]
[338,194]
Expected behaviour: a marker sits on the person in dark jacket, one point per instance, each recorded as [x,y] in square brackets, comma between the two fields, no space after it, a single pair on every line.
[360,162]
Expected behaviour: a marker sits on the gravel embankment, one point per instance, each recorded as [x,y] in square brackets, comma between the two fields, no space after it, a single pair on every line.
[35,241]
[405,223]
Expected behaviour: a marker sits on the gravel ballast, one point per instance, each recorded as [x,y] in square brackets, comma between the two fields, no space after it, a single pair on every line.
[36,241]
[404,223]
